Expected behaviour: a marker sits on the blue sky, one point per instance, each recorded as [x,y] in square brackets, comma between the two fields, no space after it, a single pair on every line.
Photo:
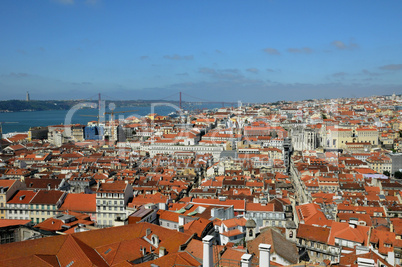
[254,51]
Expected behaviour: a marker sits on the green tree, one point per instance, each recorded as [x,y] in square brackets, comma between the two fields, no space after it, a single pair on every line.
[398,175]
[386,173]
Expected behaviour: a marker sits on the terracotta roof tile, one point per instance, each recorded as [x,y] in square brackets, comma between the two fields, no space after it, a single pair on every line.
[47,197]
[313,233]
[22,197]
[12,222]
[79,203]
[74,250]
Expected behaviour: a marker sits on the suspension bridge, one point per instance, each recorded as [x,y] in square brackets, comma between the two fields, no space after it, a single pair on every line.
[179,98]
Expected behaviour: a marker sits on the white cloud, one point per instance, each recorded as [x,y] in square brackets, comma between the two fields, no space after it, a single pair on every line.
[271,51]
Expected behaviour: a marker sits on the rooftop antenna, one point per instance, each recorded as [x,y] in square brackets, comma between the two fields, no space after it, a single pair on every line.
[99,108]
[180,101]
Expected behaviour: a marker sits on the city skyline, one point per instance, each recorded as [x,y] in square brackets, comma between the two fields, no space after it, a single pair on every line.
[256,52]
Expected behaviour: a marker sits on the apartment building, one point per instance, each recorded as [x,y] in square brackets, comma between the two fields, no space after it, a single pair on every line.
[111,202]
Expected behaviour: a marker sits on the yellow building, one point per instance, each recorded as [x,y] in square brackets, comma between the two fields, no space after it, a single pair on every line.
[338,137]
[45,204]
[7,190]
[369,135]
[380,164]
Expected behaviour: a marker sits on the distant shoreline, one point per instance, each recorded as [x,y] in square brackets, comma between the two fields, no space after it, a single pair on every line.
[9,106]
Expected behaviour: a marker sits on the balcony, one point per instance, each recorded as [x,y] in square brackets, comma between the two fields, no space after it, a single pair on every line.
[320,250]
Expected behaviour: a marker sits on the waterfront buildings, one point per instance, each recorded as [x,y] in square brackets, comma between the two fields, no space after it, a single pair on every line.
[321,176]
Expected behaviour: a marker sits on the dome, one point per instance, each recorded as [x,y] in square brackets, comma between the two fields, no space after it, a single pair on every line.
[251,223]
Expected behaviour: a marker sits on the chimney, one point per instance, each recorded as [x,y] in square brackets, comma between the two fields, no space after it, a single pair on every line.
[162,251]
[143,250]
[265,250]
[246,260]
[155,240]
[148,232]
[208,260]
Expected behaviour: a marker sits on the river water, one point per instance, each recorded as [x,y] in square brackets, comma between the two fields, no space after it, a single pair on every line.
[22,121]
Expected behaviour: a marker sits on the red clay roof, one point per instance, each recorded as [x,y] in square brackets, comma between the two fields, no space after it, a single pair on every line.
[11,222]
[313,233]
[47,197]
[22,197]
[345,232]
[79,203]
[80,246]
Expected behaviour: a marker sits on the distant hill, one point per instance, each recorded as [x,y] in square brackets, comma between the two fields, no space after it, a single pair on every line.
[39,105]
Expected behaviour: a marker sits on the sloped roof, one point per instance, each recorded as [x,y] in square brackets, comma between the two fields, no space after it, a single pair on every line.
[12,222]
[47,197]
[22,197]
[235,222]
[127,250]
[76,251]
[43,183]
[344,231]
[168,215]
[79,203]
[55,224]
[234,232]
[313,233]
[33,260]
[174,259]
[279,245]
[351,259]
[80,247]
[196,226]
[312,214]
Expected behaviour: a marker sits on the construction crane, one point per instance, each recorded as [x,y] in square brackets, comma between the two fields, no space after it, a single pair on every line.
[115,112]
[112,118]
